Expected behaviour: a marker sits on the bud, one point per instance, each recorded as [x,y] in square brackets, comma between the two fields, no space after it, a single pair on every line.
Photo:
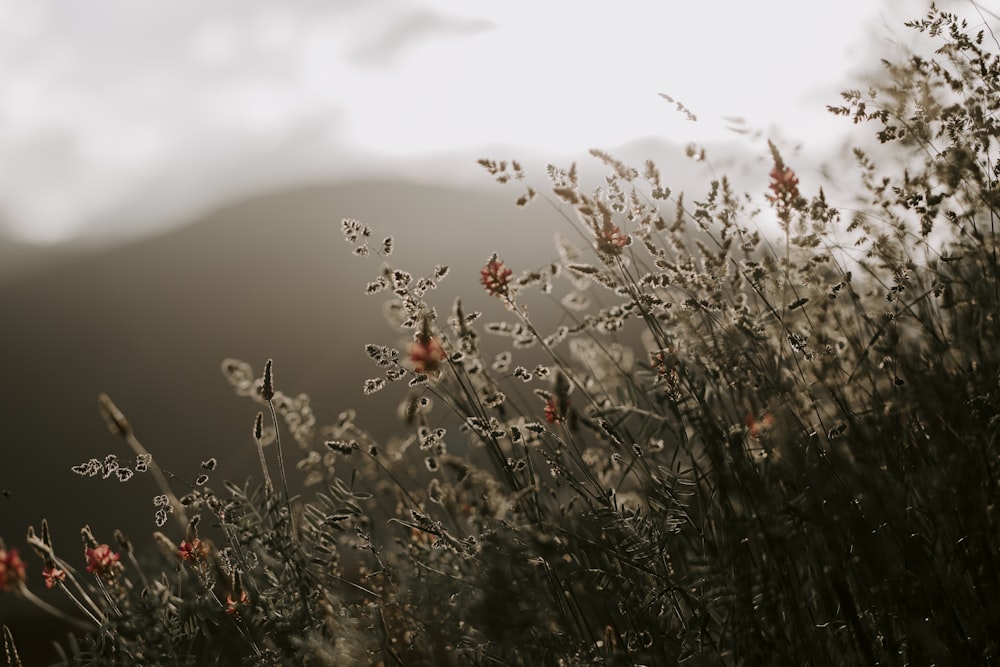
[267,391]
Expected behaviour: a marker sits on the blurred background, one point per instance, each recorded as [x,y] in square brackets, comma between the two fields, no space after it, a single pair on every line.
[173,176]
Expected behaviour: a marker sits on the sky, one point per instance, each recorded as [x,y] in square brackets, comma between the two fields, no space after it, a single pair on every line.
[119,116]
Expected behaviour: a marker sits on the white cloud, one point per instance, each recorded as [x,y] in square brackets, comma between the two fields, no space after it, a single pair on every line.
[123,113]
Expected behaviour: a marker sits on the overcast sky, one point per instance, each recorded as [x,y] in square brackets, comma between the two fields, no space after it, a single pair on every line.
[128,113]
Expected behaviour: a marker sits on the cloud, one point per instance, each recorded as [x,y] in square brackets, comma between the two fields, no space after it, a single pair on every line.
[138,110]
[108,108]
[390,43]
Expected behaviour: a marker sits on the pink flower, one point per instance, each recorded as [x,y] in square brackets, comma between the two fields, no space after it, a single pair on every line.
[784,187]
[232,606]
[52,575]
[426,354]
[12,570]
[193,549]
[495,277]
[101,559]
[612,239]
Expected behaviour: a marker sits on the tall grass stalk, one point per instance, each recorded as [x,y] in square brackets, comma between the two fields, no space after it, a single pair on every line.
[724,446]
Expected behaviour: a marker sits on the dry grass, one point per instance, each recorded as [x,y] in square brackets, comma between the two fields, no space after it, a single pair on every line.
[733,448]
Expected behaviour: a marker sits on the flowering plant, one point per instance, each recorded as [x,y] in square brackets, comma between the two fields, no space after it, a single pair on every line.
[735,444]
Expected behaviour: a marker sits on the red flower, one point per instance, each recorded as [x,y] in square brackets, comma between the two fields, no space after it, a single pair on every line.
[101,559]
[784,186]
[554,412]
[52,575]
[426,354]
[663,361]
[194,549]
[12,570]
[612,239]
[758,426]
[495,277]
[232,606]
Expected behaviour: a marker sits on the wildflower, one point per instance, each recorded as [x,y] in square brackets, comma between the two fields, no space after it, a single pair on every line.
[556,410]
[495,277]
[784,187]
[101,559]
[193,549]
[232,606]
[557,404]
[12,570]
[426,354]
[611,239]
[52,575]
[757,427]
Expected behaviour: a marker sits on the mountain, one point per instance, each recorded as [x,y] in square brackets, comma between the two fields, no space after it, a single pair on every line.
[18,257]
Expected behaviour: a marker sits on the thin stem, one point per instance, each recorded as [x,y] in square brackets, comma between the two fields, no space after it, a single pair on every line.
[58,613]
[268,486]
[281,460]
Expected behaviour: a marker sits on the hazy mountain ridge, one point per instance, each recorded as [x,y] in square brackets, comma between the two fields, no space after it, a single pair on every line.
[18,257]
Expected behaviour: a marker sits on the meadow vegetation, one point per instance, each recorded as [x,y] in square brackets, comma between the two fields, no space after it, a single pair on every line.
[735,447]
